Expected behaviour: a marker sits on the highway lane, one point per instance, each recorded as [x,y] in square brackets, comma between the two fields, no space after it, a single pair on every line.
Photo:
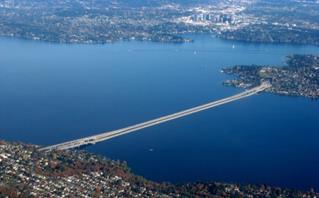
[108,135]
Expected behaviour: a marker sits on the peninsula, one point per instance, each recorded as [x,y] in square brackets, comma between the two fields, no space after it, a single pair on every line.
[299,77]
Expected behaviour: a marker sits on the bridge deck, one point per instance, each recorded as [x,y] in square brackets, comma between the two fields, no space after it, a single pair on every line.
[108,135]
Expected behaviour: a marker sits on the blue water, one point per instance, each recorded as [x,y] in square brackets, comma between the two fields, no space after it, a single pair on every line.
[53,92]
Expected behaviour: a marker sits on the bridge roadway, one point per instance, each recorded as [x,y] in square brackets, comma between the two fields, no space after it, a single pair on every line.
[112,134]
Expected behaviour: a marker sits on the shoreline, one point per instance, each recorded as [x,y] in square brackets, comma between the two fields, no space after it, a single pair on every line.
[64,167]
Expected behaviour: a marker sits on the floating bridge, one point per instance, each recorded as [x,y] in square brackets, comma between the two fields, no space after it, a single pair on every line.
[112,134]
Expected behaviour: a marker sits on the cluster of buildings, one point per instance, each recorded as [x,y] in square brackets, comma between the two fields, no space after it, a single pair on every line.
[214,18]
[25,172]
[219,18]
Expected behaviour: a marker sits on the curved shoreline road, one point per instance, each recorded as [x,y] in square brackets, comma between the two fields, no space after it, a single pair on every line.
[112,134]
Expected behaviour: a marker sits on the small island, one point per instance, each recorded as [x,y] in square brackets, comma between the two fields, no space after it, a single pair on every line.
[299,77]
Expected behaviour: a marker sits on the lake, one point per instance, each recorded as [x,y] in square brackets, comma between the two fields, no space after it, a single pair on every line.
[52,93]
